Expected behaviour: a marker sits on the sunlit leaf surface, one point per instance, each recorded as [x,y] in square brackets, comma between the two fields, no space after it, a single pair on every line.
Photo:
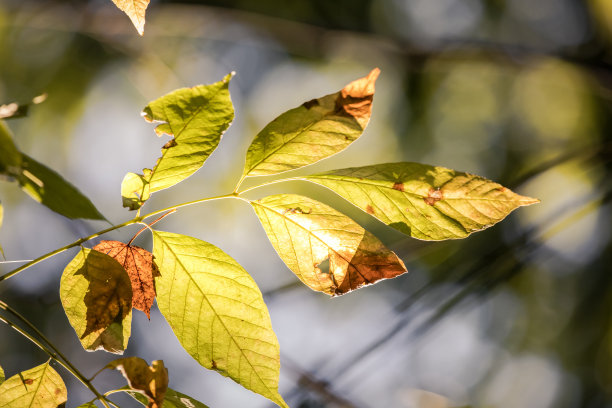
[135,9]
[217,312]
[38,387]
[174,399]
[313,131]
[196,118]
[96,293]
[138,263]
[151,380]
[1,375]
[307,233]
[426,202]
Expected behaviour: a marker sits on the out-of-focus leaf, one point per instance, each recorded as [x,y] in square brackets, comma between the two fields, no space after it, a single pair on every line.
[138,263]
[426,202]
[135,9]
[89,404]
[10,157]
[313,131]
[96,293]
[1,250]
[14,110]
[49,188]
[196,117]
[41,183]
[306,233]
[38,387]
[173,399]
[152,380]
[217,312]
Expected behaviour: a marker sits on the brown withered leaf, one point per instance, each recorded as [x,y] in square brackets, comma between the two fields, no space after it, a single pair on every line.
[138,263]
[306,233]
[150,380]
[135,10]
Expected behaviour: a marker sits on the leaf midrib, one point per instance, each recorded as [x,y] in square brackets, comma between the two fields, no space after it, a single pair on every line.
[274,392]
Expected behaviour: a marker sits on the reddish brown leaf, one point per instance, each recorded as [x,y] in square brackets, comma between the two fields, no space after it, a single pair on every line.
[139,265]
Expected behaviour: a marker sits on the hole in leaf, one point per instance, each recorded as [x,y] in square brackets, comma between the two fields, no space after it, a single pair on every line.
[324,266]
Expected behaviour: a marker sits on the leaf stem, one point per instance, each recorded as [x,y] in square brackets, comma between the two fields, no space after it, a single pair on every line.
[267,184]
[158,219]
[64,248]
[239,183]
[54,353]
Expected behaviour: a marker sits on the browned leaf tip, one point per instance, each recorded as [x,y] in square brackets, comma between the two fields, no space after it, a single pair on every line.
[138,263]
[151,380]
[355,99]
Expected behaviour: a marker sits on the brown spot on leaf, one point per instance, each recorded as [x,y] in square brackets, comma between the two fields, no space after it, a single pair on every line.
[355,99]
[171,143]
[501,189]
[139,265]
[398,186]
[28,381]
[433,196]
[370,209]
[310,104]
[214,364]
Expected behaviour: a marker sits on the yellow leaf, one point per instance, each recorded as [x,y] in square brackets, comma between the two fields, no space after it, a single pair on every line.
[135,9]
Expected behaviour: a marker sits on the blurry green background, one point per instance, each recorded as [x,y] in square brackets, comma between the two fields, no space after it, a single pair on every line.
[517,91]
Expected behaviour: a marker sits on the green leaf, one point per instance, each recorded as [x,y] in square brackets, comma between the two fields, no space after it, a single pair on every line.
[49,188]
[89,404]
[425,202]
[135,10]
[306,233]
[39,387]
[217,312]
[1,250]
[313,131]
[197,118]
[96,293]
[10,157]
[41,183]
[174,399]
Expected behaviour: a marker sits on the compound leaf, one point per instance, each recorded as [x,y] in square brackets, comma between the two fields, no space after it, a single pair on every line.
[196,117]
[138,263]
[38,387]
[313,131]
[135,10]
[174,399]
[306,233]
[151,380]
[217,312]
[96,294]
[425,202]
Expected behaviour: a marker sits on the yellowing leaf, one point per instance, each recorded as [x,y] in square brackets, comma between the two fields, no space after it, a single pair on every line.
[135,9]
[151,380]
[426,202]
[138,263]
[173,399]
[306,233]
[313,131]
[38,387]
[1,375]
[196,118]
[96,293]
[217,312]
